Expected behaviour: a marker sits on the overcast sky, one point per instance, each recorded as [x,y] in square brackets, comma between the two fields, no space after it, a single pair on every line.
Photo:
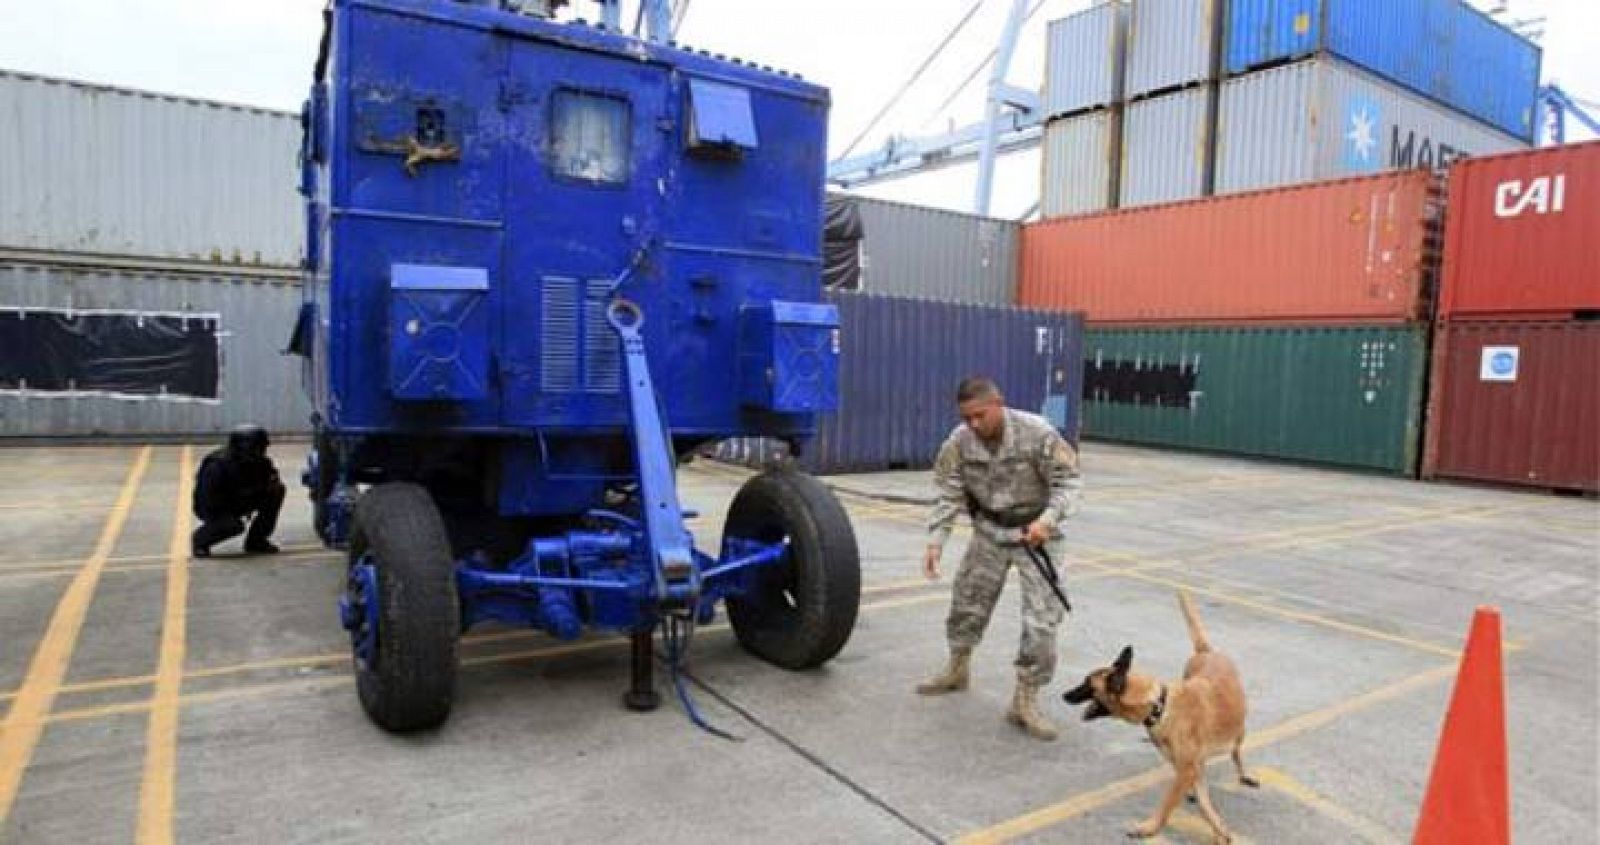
[260,52]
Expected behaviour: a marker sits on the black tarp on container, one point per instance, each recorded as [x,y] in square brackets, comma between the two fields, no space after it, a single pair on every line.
[841,244]
[115,353]
[900,362]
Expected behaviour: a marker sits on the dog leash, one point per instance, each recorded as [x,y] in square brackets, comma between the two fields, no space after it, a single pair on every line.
[1041,561]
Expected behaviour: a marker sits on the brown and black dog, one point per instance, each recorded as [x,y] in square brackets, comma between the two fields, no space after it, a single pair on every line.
[1190,721]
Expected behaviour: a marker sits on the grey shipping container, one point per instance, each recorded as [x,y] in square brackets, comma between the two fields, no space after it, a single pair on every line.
[1080,163]
[1171,43]
[1323,119]
[910,250]
[1348,395]
[258,383]
[900,362]
[1084,59]
[100,170]
[1165,148]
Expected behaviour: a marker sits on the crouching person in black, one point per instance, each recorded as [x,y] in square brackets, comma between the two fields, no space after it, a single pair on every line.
[237,483]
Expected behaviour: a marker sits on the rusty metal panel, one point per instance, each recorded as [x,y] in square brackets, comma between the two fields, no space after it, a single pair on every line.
[1084,59]
[1358,249]
[107,171]
[258,383]
[1523,235]
[1517,403]
[909,250]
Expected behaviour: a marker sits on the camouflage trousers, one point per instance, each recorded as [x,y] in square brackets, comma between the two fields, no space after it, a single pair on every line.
[977,587]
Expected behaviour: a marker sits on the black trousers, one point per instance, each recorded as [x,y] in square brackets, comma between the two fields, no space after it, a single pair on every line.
[261,510]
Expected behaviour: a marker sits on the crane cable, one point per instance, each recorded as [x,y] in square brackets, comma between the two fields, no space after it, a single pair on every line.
[1038,4]
[915,75]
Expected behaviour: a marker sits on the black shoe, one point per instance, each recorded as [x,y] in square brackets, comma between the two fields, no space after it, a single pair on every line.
[260,547]
[197,550]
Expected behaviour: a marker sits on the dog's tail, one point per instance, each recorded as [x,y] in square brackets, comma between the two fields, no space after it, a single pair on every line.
[1197,632]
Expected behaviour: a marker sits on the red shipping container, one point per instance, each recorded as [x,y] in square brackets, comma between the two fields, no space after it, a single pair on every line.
[1516,402]
[1355,249]
[1522,235]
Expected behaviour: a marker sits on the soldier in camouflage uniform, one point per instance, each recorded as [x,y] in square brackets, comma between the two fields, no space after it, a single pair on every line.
[1018,479]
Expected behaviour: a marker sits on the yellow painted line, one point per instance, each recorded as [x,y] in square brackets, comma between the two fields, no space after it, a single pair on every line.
[1198,830]
[1293,615]
[19,733]
[46,505]
[311,661]
[1366,829]
[156,791]
[542,653]
[288,553]
[1055,814]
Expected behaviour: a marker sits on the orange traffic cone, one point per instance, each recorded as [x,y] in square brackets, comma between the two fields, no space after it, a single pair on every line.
[1468,799]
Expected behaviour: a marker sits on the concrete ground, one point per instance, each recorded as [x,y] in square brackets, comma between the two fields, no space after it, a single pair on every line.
[151,697]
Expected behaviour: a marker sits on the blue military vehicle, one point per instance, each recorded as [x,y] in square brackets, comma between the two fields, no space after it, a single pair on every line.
[546,262]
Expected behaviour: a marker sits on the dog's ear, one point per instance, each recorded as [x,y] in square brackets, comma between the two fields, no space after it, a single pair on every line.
[1117,681]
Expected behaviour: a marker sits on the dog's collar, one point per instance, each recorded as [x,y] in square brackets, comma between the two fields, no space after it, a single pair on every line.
[1157,710]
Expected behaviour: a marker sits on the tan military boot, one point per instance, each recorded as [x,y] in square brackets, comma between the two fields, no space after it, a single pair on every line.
[955,677]
[1024,713]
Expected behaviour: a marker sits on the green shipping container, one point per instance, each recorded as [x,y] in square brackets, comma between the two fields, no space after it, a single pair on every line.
[1347,395]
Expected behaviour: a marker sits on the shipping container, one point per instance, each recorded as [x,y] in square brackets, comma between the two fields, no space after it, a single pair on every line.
[1444,50]
[900,362]
[911,250]
[1516,402]
[1356,249]
[1523,235]
[1084,59]
[1166,148]
[258,384]
[107,171]
[1171,44]
[1323,119]
[1080,163]
[1350,395]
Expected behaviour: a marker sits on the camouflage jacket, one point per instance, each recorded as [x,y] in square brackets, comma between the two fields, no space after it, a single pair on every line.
[1032,468]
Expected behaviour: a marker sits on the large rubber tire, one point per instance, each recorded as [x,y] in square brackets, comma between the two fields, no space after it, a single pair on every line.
[802,611]
[411,682]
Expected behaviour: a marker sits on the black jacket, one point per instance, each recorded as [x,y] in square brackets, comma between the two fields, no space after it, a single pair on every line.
[230,484]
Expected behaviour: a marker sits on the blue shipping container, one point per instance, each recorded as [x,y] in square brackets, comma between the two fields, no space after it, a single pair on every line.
[1442,49]
[900,360]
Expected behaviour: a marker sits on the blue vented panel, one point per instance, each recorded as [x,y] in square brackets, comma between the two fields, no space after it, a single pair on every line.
[558,361]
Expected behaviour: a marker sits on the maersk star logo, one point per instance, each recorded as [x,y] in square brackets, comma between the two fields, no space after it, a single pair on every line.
[1361,136]
[1363,126]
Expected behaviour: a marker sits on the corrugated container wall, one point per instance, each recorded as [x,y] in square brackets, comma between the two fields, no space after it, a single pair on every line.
[1084,59]
[1323,119]
[1348,395]
[1523,234]
[1444,50]
[1171,44]
[909,250]
[1356,249]
[900,362]
[91,169]
[1516,402]
[1165,145]
[258,383]
[1080,163]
